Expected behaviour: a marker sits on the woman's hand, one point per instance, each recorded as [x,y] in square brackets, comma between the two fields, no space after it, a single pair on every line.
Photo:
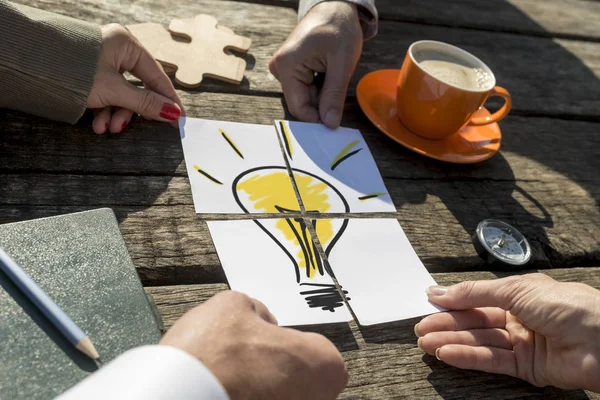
[531,327]
[114,99]
[327,40]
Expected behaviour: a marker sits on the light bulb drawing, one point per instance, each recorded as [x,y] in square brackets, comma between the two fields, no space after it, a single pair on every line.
[269,189]
[260,187]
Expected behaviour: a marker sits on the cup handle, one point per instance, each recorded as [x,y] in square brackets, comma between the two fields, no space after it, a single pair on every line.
[498,115]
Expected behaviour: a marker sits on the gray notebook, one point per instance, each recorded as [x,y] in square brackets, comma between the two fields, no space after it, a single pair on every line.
[81,261]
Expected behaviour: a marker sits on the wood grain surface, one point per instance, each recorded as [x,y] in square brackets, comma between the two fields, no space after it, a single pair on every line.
[539,182]
[525,65]
[385,362]
[544,180]
[562,18]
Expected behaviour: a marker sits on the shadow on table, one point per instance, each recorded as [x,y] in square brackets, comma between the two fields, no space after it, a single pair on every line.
[471,193]
[399,332]
[454,383]
[478,192]
[67,168]
[556,140]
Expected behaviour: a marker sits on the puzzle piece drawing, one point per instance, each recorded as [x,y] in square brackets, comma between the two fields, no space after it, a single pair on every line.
[204,55]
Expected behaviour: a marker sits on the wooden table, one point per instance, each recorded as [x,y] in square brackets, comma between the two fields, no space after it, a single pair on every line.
[545,180]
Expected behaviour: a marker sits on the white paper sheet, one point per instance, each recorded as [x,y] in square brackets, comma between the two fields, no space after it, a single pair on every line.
[375,263]
[338,159]
[232,165]
[264,259]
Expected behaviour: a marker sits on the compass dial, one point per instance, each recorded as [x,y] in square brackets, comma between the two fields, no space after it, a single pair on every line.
[503,242]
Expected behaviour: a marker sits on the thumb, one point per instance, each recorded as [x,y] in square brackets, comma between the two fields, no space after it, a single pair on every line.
[333,94]
[145,102]
[502,293]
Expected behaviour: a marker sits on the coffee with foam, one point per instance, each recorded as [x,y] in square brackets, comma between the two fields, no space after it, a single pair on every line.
[454,71]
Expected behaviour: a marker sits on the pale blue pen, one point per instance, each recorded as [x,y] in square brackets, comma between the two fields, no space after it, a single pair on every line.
[40,299]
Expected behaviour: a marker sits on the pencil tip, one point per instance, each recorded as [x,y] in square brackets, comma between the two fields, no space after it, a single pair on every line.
[99,361]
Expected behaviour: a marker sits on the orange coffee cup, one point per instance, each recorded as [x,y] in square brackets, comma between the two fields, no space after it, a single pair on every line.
[436,107]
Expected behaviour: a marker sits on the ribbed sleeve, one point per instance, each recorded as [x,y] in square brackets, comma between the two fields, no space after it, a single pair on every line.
[367,12]
[47,62]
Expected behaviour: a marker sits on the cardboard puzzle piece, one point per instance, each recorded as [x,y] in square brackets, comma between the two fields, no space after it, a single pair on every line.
[204,55]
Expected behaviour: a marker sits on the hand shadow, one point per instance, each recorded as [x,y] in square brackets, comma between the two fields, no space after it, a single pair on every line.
[62,169]
[399,332]
[82,361]
[471,193]
[454,383]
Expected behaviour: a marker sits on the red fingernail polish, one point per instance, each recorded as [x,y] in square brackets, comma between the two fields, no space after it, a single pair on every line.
[123,126]
[170,112]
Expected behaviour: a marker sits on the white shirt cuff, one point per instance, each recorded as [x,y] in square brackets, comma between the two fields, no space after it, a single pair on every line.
[150,372]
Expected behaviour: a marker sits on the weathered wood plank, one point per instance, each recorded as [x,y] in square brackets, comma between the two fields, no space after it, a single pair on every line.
[567,18]
[527,66]
[540,182]
[174,301]
[563,18]
[532,148]
[384,361]
[544,75]
[170,244]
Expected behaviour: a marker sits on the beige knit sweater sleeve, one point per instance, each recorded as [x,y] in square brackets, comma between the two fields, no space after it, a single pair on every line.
[367,11]
[47,62]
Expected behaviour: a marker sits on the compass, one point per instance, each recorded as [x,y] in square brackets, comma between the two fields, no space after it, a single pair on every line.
[498,242]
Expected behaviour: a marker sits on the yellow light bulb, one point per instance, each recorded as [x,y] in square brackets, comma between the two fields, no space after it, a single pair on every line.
[270,190]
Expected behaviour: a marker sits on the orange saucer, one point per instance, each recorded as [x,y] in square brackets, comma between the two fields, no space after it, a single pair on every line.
[376,94]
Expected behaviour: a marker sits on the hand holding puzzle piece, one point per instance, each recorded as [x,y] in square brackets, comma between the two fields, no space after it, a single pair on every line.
[204,55]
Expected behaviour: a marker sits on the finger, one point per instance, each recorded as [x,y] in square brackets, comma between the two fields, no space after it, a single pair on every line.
[153,76]
[297,96]
[264,312]
[296,82]
[333,94]
[101,120]
[145,102]
[313,93]
[120,119]
[503,293]
[478,318]
[486,359]
[498,338]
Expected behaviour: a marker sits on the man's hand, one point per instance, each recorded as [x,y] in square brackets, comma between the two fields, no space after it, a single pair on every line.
[121,52]
[238,339]
[327,40]
[529,326]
